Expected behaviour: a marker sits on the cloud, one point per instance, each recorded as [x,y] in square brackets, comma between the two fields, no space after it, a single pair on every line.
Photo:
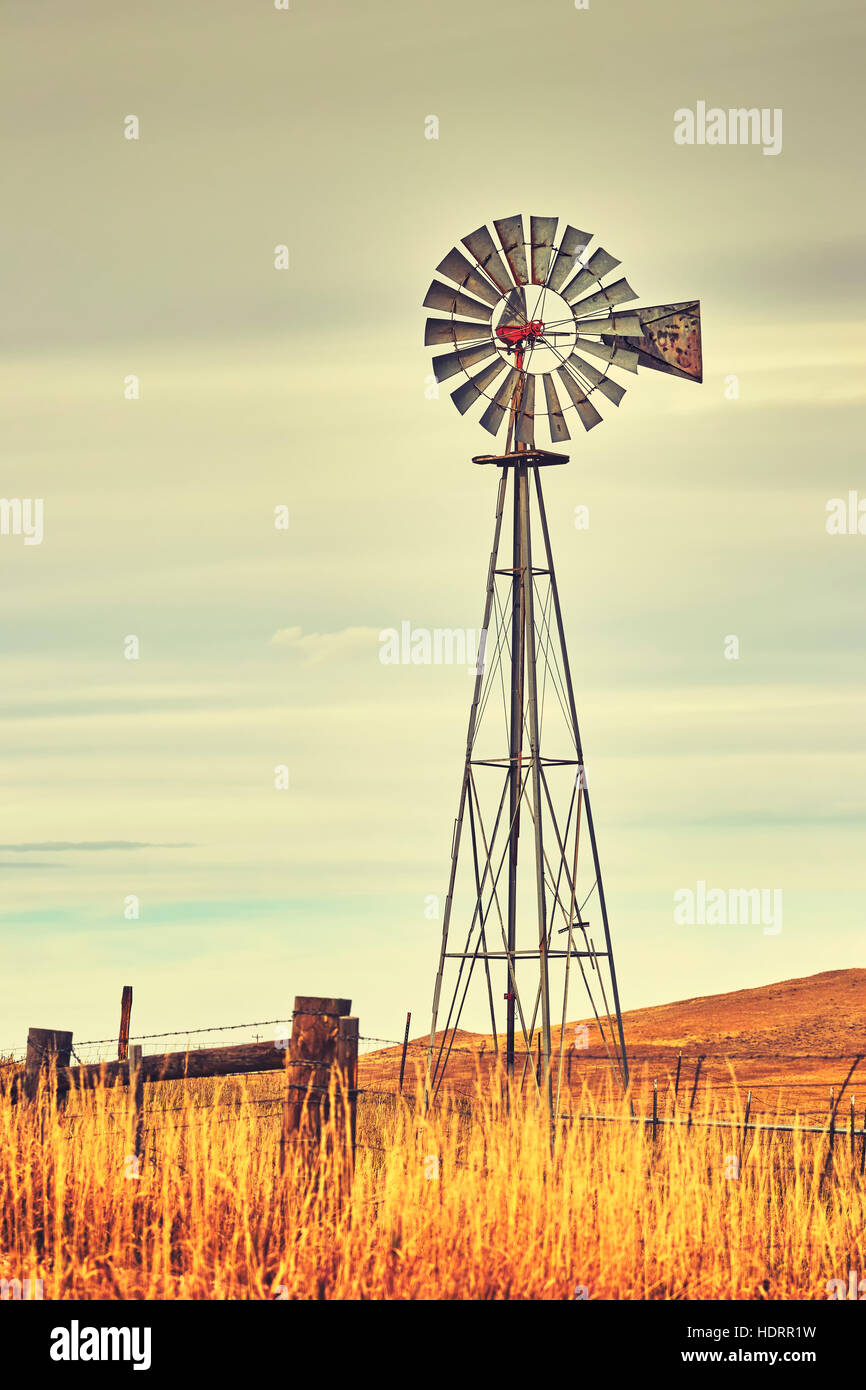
[40,846]
[316,647]
[28,864]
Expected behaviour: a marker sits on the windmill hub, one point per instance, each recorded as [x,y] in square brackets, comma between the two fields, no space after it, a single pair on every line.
[517,335]
[533,329]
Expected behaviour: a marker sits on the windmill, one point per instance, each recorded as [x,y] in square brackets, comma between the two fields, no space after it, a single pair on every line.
[515,310]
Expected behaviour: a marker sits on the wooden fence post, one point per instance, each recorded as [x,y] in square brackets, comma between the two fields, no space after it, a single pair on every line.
[832,1117]
[405,1045]
[48,1049]
[347,1071]
[695,1088]
[312,1054]
[745,1137]
[125,1015]
[136,1096]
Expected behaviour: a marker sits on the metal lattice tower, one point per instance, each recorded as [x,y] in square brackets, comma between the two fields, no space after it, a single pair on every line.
[530,308]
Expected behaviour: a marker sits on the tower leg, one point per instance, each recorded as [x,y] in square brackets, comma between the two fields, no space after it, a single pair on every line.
[532,713]
[467,770]
[590,825]
[515,774]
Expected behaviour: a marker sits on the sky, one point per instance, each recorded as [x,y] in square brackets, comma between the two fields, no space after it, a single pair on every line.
[308,388]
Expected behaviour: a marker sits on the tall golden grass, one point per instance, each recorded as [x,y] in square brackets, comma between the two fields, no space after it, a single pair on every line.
[468,1204]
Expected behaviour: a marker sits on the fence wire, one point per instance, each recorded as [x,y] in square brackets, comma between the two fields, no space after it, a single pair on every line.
[835,1123]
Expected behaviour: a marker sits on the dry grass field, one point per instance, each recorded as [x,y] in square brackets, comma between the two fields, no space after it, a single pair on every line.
[470,1204]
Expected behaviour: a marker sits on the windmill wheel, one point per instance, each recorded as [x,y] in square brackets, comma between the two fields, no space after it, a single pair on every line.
[529,309]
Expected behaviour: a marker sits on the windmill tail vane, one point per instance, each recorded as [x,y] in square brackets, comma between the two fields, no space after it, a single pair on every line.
[526,930]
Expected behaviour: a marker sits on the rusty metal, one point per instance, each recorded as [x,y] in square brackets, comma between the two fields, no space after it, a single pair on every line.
[514,308]
[533,458]
[573,244]
[456,267]
[542,231]
[617,325]
[526,414]
[451,301]
[476,386]
[555,418]
[483,248]
[510,233]
[516,399]
[495,412]
[586,411]
[620,292]
[452,362]
[600,263]
[613,353]
[604,384]
[670,339]
[453,331]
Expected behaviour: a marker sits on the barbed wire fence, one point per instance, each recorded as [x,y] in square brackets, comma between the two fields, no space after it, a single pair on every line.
[666,1103]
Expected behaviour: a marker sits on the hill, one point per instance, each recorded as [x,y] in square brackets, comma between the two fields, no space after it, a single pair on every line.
[789,1043]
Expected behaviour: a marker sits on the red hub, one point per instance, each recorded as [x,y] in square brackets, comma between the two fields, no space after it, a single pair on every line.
[515,337]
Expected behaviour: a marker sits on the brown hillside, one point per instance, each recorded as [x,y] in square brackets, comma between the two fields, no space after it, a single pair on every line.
[788,1043]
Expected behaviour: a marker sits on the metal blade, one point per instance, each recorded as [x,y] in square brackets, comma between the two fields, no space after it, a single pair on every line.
[526,413]
[453,362]
[483,248]
[542,230]
[620,292]
[571,249]
[555,418]
[493,415]
[453,331]
[597,379]
[510,233]
[457,268]
[450,301]
[618,325]
[611,352]
[600,263]
[589,416]
[514,308]
[469,392]
[670,339]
